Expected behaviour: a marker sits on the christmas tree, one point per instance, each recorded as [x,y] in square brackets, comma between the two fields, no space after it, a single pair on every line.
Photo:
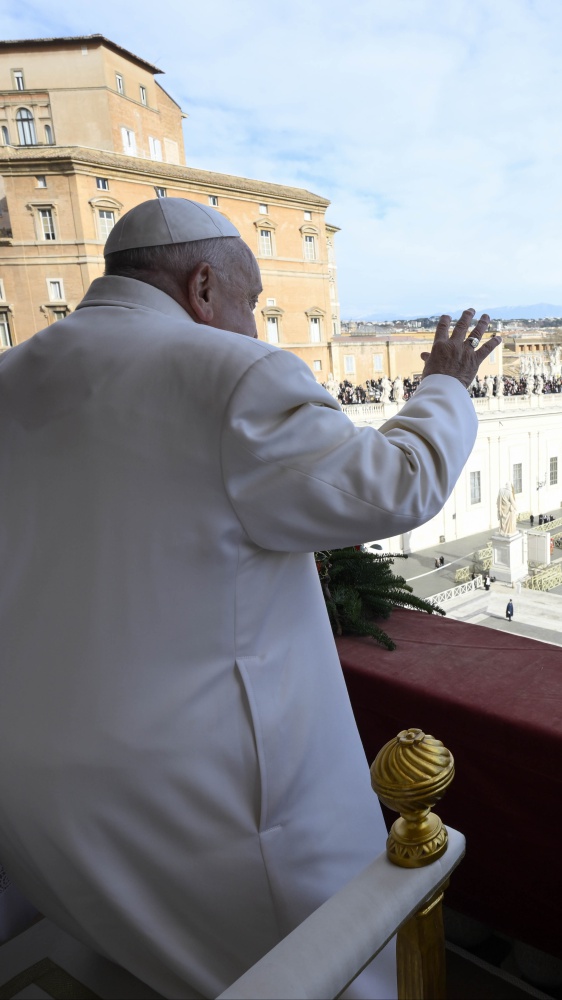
[360,586]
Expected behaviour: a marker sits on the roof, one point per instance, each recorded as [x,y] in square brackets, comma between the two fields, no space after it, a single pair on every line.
[159,171]
[28,43]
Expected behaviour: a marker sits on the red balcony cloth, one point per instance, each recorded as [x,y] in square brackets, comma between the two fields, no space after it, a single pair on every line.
[495,700]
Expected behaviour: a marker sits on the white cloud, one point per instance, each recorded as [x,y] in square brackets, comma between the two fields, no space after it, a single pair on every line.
[433,127]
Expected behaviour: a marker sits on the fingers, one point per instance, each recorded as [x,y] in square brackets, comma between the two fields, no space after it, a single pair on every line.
[462,325]
[485,349]
[442,331]
[479,330]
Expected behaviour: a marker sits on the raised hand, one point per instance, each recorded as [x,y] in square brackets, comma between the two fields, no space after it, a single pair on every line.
[459,355]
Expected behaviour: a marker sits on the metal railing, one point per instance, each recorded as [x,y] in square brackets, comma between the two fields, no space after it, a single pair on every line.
[545,579]
[452,592]
[549,526]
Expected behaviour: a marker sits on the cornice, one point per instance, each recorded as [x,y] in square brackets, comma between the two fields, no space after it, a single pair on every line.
[153,169]
[70,41]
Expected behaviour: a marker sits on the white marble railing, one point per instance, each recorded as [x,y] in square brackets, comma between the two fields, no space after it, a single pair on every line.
[359,412]
[488,404]
[366,410]
[452,592]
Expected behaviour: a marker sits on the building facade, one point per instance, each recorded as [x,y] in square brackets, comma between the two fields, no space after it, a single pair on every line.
[358,357]
[518,442]
[88,133]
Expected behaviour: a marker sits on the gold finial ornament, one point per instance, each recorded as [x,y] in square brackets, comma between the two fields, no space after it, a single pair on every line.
[410,774]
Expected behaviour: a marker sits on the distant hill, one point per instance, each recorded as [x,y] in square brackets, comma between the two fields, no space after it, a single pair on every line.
[542,310]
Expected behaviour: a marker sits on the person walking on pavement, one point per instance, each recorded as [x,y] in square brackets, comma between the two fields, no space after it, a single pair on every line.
[532,520]
[509,610]
[487,581]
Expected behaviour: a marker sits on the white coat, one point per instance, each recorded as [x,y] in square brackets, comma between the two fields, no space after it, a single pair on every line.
[181,777]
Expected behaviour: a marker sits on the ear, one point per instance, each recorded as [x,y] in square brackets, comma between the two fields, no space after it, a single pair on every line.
[200,287]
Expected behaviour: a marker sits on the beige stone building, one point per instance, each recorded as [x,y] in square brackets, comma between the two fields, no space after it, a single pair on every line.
[86,133]
[359,357]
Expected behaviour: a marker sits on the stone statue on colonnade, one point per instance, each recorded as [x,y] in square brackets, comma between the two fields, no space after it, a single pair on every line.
[386,386]
[398,390]
[332,386]
[507,510]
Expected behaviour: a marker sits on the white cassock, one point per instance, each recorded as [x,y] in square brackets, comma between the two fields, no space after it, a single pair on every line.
[181,777]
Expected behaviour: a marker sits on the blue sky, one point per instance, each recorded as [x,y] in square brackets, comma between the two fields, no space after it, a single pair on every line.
[433,126]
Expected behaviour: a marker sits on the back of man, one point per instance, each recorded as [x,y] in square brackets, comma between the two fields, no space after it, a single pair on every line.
[181,778]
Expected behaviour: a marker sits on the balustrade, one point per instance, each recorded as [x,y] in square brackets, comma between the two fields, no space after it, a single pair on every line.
[452,592]
[545,579]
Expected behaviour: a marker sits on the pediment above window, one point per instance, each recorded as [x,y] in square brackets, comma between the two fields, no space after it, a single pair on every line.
[315,311]
[264,223]
[309,229]
[104,201]
[272,311]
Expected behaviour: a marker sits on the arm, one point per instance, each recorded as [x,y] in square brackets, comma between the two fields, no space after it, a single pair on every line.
[301,476]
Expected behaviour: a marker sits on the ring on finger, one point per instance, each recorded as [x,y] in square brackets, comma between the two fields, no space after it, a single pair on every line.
[473,341]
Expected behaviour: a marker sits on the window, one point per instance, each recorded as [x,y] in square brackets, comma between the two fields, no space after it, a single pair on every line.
[213,200]
[143,95]
[172,151]
[377,362]
[155,147]
[107,222]
[54,286]
[308,216]
[309,248]
[265,248]
[129,142]
[349,364]
[5,136]
[2,296]
[273,329]
[161,192]
[102,183]
[475,488]
[47,224]
[263,209]
[317,366]
[26,127]
[271,302]
[18,79]
[553,471]
[315,329]
[119,82]
[48,135]
[517,478]
[41,181]
[5,335]
[60,313]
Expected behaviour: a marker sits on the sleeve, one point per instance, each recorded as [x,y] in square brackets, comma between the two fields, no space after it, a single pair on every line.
[301,476]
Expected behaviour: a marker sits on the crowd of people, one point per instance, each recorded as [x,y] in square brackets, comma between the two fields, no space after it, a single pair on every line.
[522,386]
[372,391]
[543,519]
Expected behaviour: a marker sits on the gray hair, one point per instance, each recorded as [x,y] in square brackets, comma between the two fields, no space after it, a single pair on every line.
[174,260]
